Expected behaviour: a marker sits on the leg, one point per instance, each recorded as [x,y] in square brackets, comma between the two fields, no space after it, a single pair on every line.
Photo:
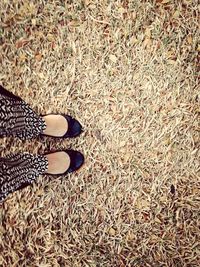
[17,118]
[20,170]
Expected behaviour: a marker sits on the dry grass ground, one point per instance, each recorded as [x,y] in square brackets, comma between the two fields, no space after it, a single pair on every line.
[128,71]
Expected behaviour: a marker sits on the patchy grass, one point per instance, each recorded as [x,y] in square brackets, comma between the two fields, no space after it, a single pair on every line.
[128,70]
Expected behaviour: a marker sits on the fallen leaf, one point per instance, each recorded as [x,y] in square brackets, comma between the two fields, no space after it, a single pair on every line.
[38,57]
[133,15]
[50,37]
[112,231]
[32,8]
[130,236]
[41,75]
[33,21]
[157,220]
[170,54]
[21,43]
[92,6]
[148,32]
[143,204]
[74,23]
[176,14]
[189,39]
[154,238]
[165,1]
[122,143]
[147,42]
[22,57]
[187,2]
[133,40]
[121,10]
[113,58]
[171,61]
[163,199]
[87,2]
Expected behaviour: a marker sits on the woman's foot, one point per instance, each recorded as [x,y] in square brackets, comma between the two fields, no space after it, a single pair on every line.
[62,162]
[61,126]
[57,125]
[58,162]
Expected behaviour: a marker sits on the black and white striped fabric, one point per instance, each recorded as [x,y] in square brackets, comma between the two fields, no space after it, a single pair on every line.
[17,119]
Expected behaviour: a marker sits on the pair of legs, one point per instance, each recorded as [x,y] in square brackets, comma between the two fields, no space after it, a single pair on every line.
[17,119]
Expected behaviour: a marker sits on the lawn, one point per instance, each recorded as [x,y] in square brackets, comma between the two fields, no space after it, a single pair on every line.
[128,71]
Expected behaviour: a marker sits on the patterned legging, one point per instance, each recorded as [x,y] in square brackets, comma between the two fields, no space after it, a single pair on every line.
[17,119]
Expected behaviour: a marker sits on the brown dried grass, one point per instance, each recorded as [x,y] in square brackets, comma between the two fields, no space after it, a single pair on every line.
[128,70]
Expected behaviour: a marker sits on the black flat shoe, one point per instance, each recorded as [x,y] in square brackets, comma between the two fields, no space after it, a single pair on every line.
[74,127]
[76,161]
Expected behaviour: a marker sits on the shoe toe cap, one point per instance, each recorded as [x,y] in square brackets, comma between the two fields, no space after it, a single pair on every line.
[79,160]
[76,128]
